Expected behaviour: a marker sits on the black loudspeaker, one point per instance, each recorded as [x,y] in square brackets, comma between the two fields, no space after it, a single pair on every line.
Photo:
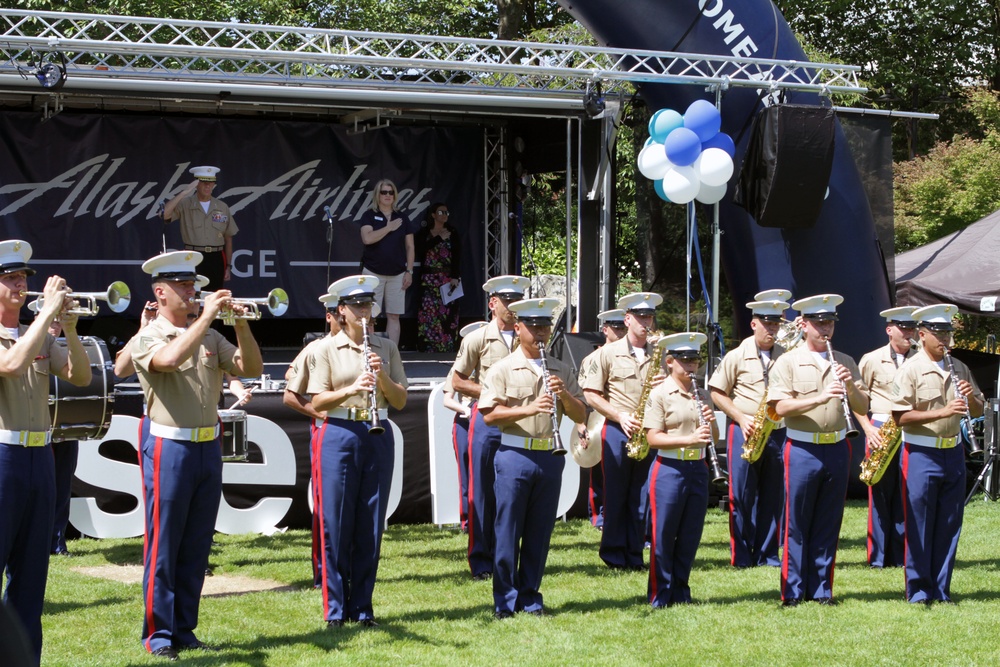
[787,166]
[572,348]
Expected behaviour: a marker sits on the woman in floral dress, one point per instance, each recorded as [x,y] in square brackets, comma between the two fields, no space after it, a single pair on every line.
[438,249]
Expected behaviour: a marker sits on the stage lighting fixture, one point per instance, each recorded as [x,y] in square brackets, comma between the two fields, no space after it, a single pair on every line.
[49,73]
[593,100]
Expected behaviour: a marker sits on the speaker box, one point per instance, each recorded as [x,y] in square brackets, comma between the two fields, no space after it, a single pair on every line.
[787,165]
[572,348]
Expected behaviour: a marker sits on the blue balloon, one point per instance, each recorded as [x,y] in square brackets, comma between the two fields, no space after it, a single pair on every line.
[703,119]
[658,186]
[721,140]
[663,123]
[683,147]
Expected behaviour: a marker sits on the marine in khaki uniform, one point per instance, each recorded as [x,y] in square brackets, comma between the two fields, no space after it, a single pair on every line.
[354,461]
[28,354]
[207,225]
[807,390]
[679,422]
[516,400]
[885,498]
[479,351]
[613,387]
[929,406]
[180,364]
[756,490]
[612,328]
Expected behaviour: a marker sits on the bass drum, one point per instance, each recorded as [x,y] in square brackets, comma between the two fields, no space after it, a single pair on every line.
[79,413]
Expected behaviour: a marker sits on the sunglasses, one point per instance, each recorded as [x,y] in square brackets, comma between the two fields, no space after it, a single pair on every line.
[386,192]
[442,213]
[617,325]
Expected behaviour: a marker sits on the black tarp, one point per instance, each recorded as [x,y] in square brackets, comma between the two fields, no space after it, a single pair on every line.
[962,268]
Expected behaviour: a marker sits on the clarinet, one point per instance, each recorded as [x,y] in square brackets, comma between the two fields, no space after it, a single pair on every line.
[557,443]
[975,449]
[852,432]
[375,428]
[715,467]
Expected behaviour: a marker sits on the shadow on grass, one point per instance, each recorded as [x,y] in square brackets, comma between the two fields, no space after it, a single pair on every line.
[53,608]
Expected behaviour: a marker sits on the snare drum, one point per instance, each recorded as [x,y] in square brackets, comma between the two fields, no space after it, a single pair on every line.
[234,435]
[79,413]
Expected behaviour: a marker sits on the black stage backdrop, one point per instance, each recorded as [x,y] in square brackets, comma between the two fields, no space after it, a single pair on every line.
[84,190]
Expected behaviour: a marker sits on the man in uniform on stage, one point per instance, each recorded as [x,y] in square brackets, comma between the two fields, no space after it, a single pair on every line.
[613,387]
[885,498]
[27,472]
[516,399]
[931,394]
[477,353]
[612,328]
[808,389]
[207,226]
[180,366]
[756,490]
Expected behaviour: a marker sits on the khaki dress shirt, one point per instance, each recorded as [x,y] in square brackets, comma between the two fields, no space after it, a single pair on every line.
[618,375]
[878,368]
[673,410]
[799,374]
[921,384]
[480,350]
[199,228]
[741,375]
[336,362]
[24,400]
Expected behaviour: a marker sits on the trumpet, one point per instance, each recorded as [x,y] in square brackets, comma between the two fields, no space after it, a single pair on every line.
[276,302]
[375,428]
[852,432]
[117,295]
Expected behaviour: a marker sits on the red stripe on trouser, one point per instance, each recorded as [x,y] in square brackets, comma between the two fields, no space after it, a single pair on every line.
[472,477]
[906,543]
[324,570]
[155,547]
[784,545]
[654,538]
[732,505]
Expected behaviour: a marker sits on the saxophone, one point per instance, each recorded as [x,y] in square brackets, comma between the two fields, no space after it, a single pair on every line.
[878,459]
[637,447]
[764,421]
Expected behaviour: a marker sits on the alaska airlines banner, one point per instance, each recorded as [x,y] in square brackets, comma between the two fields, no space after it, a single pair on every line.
[84,191]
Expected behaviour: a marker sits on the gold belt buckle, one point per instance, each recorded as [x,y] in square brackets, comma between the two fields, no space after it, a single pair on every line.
[946,443]
[826,438]
[204,434]
[691,454]
[538,444]
[360,414]
[34,439]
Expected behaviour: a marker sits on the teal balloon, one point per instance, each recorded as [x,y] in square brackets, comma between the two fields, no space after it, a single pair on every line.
[720,140]
[658,187]
[682,146]
[703,119]
[663,123]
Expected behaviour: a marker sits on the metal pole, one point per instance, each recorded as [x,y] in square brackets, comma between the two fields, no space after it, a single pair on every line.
[569,218]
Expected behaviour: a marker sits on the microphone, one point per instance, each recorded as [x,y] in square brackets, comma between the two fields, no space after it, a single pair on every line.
[327,215]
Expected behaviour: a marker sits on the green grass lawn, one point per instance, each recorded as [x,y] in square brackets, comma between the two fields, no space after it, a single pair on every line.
[432,613]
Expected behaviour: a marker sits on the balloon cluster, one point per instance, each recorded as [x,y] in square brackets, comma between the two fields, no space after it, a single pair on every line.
[687,157]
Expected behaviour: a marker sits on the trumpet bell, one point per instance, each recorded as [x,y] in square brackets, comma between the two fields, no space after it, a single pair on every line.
[119,297]
[277,301]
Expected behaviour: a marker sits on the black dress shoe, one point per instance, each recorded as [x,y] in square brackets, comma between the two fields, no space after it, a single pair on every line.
[826,602]
[536,612]
[368,623]
[197,645]
[791,602]
[335,623]
[502,614]
[168,652]
[483,576]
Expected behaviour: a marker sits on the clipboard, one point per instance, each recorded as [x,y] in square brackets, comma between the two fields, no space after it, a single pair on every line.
[448,294]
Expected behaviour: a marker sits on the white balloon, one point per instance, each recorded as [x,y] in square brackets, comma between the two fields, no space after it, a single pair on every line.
[653,162]
[714,166]
[711,194]
[681,184]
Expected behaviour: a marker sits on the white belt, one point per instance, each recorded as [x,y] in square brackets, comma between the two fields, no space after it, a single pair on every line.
[535,444]
[318,423]
[819,438]
[880,417]
[355,414]
[683,453]
[928,441]
[203,434]
[25,438]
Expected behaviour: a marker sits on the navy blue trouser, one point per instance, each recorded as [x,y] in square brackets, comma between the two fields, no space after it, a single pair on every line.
[815,490]
[756,499]
[678,502]
[626,500]
[483,443]
[527,492]
[182,483]
[27,496]
[66,455]
[885,515]
[934,496]
[354,476]
[460,442]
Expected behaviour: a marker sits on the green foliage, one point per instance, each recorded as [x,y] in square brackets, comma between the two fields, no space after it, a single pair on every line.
[433,613]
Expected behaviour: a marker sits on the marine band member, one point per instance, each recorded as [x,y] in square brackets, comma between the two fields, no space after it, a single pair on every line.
[28,354]
[807,391]
[613,388]
[926,404]
[885,498]
[181,364]
[756,490]
[528,474]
